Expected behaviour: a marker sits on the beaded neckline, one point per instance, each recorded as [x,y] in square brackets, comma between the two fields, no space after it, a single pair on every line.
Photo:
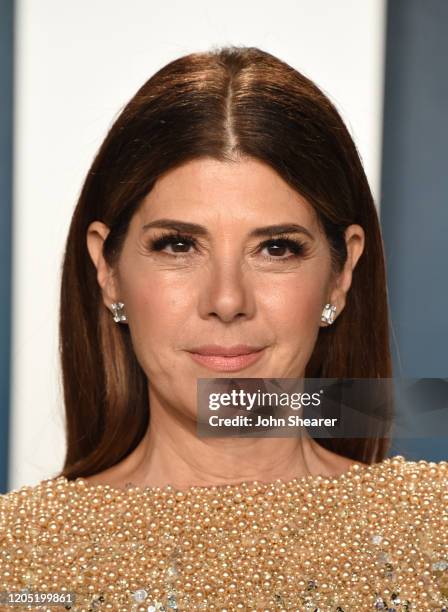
[355,468]
[375,540]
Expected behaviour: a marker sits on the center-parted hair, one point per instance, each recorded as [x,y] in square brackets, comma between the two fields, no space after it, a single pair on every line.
[228,104]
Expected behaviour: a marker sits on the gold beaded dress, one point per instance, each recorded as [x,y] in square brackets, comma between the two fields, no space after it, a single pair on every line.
[373,538]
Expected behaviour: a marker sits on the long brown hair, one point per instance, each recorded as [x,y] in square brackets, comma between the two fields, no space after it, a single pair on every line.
[227,103]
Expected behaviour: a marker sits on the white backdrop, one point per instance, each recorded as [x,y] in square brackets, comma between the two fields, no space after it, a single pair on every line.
[77,63]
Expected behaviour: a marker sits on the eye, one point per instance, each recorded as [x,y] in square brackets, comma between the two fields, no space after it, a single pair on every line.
[279,247]
[178,243]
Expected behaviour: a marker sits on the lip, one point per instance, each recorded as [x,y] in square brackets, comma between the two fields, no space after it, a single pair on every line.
[226,359]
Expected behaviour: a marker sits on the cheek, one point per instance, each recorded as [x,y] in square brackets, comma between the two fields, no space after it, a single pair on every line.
[157,311]
[294,304]
[158,303]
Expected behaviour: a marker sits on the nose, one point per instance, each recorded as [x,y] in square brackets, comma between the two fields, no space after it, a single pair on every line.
[226,292]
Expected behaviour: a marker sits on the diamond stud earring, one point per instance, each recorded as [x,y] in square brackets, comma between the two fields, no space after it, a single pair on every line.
[118,312]
[328,313]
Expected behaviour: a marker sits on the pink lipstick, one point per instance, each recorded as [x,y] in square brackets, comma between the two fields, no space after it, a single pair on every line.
[226,359]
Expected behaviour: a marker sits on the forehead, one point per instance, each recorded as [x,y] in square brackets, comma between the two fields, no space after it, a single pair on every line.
[245,191]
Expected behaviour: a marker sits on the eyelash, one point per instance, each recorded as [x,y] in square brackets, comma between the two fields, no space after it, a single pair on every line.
[296,247]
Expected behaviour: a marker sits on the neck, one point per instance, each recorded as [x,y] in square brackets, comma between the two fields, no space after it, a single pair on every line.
[172,453]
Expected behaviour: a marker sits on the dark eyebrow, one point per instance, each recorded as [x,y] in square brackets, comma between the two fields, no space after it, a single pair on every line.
[200,230]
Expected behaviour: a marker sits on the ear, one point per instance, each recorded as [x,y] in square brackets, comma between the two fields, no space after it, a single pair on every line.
[354,240]
[96,235]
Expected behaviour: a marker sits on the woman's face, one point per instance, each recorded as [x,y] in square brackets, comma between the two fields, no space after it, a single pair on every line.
[205,262]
